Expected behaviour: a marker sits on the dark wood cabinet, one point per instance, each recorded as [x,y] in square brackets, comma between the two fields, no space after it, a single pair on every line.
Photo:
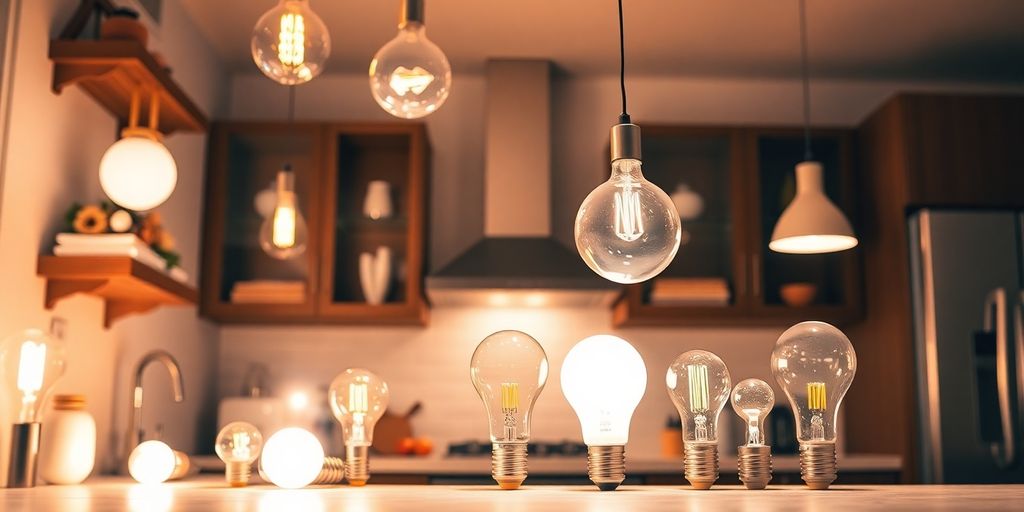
[333,166]
[745,178]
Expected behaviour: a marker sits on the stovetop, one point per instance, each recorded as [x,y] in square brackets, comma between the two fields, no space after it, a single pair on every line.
[564,448]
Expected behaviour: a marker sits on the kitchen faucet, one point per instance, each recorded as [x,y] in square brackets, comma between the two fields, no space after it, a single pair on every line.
[133,434]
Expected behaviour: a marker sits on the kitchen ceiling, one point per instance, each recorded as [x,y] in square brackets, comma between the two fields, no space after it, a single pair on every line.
[944,40]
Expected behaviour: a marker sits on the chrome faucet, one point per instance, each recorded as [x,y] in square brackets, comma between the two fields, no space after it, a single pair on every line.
[133,434]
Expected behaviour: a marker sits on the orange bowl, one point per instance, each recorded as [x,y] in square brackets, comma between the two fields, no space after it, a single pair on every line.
[798,295]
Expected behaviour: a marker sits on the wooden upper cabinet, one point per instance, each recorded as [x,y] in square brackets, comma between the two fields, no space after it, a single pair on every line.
[333,166]
[724,273]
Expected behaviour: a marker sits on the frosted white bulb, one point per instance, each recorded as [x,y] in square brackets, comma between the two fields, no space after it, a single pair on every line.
[603,379]
[152,462]
[753,399]
[290,43]
[138,173]
[698,383]
[283,234]
[239,445]
[627,230]
[292,458]
[358,399]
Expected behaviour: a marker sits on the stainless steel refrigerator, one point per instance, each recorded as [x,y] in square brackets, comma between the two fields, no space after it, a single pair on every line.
[966,271]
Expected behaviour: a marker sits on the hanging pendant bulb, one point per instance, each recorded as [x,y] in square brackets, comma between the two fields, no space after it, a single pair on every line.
[410,77]
[283,234]
[812,223]
[290,43]
[138,172]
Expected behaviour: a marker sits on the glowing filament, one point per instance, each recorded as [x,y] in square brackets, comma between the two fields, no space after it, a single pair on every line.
[509,406]
[358,399]
[816,396]
[753,429]
[284,227]
[240,445]
[31,364]
[416,80]
[291,40]
[699,395]
[629,225]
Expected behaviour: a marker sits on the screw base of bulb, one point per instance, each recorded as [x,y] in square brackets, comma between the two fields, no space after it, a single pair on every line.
[237,473]
[333,472]
[606,466]
[818,464]
[357,465]
[755,466]
[21,470]
[508,464]
[700,464]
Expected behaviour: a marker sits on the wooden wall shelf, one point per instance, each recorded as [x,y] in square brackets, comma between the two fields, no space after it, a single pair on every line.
[126,285]
[110,71]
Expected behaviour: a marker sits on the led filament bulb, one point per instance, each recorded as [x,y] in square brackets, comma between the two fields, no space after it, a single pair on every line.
[358,399]
[698,383]
[753,399]
[293,458]
[627,230]
[290,44]
[815,364]
[239,445]
[283,234]
[603,379]
[509,369]
[410,77]
[153,462]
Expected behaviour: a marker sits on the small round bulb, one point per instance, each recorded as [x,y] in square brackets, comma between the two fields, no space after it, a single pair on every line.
[152,462]
[753,399]
[292,458]
[239,445]
[358,399]
[698,383]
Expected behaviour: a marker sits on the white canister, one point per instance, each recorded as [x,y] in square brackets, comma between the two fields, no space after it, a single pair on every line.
[67,448]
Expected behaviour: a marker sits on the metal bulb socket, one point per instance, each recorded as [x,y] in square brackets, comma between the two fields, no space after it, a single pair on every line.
[606,466]
[357,465]
[818,464]
[508,464]
[333,472]
[411,12]
[625,142]
[21,470]
[237,474]
[700,464]
[755,466]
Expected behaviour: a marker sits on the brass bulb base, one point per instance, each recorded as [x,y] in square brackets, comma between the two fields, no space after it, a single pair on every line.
[818,464]
[606,466]
[333,472]
[755,466]
[357,465]
[508,464]
[21,469]
[700,464]
[237,474]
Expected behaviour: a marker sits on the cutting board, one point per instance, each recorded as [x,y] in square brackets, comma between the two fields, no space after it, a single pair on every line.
[392,428]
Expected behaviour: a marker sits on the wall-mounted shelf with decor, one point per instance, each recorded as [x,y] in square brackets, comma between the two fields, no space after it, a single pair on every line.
[126,285]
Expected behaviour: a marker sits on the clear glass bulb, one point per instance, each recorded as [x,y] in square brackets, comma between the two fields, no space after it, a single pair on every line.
[138,173]
[358,399]
[152,462]
[290,43]
[753,399]
[32,362]
[239,445]
[410,77]
[698,383]
[509,370]
[283,234]
[292,458]
[627,230]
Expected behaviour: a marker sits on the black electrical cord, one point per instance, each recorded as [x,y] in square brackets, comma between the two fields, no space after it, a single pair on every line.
[291,104]
[808,156]
[624,116]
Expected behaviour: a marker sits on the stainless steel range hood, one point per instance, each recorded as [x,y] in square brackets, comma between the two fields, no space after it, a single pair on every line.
[517,263]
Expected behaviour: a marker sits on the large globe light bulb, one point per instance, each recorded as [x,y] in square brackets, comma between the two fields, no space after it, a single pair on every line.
[290,43]
[293,458]
[410,77]
[815,363]
[627,230]
[698,383]
[138,173]
[603,379]
[509,370]
[358,399]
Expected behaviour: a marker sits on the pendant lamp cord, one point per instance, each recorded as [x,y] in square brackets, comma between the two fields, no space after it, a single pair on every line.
[291,104]
[624,116]
[804,71]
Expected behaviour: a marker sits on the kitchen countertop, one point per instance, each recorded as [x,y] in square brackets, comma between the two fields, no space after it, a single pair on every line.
[208,493]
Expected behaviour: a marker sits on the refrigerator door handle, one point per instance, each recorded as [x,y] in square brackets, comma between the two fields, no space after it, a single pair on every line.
[1018,342]
[1004,453]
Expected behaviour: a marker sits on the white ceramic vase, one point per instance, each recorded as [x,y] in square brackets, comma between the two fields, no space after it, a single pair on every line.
[688,203]
[377,204]
[375,275]
[67,450]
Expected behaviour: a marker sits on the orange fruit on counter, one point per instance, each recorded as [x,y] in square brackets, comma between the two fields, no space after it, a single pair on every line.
[423,446]
[407,446]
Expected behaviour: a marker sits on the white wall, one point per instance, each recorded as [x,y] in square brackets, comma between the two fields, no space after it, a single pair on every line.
[53,152]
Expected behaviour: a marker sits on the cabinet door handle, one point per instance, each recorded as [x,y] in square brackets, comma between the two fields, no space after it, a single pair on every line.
[741,278]
[995,321]
[755,274]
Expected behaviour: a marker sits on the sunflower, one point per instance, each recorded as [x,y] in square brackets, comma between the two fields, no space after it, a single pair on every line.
[90,220]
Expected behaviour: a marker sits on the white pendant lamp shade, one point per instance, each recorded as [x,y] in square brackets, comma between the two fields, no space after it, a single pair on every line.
[138,173]
[811,224]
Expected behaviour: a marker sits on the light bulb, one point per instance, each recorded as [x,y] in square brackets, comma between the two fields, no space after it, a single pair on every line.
[698,383]
[811,224]
[290,43]
[239,445]
[294,458]
[753,399]
[627,230]
[32,362]
[283,234]
[509,369]
[410,77]
[603,379]
[153,462]
[138,172]
[358,399]
[815,363]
